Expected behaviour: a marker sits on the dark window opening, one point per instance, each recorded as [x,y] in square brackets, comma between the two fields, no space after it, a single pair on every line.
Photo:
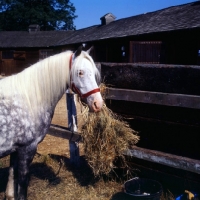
[19,55]
[44,53]
[7,54]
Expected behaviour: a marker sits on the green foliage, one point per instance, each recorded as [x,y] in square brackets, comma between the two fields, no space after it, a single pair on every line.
[16,15]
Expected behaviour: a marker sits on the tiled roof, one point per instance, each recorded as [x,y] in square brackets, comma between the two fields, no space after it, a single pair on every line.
[11,39]
[186,16]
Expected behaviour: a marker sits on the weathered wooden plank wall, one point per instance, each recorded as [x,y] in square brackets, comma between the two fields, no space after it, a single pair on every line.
[158,98]
[160,123]
[17,64]
[161,102]
[180,79]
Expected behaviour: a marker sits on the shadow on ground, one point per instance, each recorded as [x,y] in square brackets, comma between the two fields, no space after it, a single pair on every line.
[42,170]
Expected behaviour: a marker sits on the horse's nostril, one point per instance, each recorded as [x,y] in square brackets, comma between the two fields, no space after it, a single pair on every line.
[96,107]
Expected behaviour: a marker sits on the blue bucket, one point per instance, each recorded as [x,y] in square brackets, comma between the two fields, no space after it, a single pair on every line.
[141,188]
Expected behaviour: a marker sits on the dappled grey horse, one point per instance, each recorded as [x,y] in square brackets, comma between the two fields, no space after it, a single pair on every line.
[27,103]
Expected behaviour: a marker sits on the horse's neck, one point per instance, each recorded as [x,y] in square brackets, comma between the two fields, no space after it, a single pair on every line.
[49,81]
[57,82]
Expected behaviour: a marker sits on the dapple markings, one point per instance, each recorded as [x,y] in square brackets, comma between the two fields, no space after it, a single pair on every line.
[27,103]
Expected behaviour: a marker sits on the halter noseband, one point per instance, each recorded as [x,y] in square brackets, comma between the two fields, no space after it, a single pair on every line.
[75,89]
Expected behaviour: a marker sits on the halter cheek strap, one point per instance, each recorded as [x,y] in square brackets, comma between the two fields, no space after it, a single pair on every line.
[75,89]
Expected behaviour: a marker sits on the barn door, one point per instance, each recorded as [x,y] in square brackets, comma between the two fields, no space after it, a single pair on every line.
[145,51]
[7,63]
[7,67]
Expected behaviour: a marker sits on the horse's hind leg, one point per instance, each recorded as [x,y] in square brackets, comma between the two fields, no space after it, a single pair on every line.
[11,189]
[10,193]
[25,157]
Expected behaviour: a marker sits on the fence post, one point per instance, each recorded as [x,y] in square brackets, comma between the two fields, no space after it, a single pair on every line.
[72,125]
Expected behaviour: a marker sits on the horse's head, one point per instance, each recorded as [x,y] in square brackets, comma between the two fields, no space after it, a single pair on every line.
[84,78]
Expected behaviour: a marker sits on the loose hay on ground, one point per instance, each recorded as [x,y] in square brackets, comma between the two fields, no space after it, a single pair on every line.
[105,139]
[53,179]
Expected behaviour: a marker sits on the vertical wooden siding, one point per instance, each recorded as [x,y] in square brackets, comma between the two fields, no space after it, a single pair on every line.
[145,51]
[20,61]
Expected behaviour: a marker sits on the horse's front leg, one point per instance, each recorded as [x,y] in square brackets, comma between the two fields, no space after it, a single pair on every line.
[11,189]
[25,157]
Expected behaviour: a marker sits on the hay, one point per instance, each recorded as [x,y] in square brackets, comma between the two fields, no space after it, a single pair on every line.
[105,139]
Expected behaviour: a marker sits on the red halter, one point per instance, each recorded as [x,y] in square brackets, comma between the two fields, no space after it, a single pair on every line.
[75,89]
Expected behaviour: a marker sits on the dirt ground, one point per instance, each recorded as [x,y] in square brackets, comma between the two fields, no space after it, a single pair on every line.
[53,144]
[52,176]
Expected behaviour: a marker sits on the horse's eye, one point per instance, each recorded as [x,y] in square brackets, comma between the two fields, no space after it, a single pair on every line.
[80,73]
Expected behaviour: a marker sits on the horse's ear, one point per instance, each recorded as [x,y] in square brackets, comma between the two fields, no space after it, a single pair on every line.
[90,49]
[78,51]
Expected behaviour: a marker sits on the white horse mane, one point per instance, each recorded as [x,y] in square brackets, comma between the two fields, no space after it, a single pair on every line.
[41,82]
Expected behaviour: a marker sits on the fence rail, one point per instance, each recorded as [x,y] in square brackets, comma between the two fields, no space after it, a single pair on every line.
[159,98]
[170,160]
[163,85]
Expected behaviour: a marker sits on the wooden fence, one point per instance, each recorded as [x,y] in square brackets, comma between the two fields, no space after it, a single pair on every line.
[159,94]
[174,88]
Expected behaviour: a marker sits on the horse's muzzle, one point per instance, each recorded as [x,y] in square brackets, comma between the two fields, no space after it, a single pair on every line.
[95,102]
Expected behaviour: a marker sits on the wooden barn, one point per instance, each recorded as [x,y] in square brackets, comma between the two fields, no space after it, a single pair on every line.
[152,63]
[20,49]
[167,36]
